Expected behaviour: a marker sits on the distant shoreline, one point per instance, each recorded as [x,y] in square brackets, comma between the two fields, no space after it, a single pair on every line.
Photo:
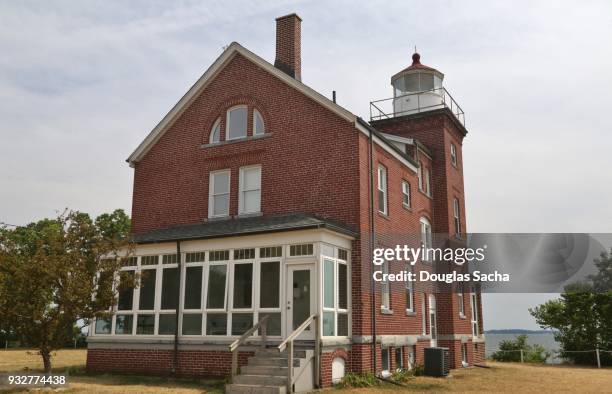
[519,331]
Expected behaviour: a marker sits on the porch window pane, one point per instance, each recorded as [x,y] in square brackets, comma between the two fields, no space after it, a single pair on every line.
[167,324]
[216,324]
[216,287]
[274,323]
[243,285]
[192,324]
[145,325]
[241,322]
[269,287]
[193,288]
[123,324]
[342,324]
[328,284]
[103,326]
[328,323]
[126,291]
[147,289]
[342,287]
[169,288]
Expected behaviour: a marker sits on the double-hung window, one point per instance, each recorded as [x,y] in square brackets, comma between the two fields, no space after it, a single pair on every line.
[460,301]
[457,216]
[382,190]
[426,238]
[219,194]
[250,190]
[474,308]
[409,294]
[406,194]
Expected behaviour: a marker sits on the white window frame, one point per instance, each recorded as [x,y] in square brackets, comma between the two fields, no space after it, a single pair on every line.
[256,114]
[406,193]
[242,190]
[212,194]
[385,369]
[385,289]
[400,366]
[453,154]
[410,293]
[461,300]
[457,217]
[426,237]
[474,312]
[216,125]
[336,309]
[427,181]
[382,188]
[228,124]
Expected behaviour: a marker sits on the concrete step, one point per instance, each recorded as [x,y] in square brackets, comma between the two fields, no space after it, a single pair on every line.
[254,389]
[260,380]
[266,370]
[273,352]
[272,361]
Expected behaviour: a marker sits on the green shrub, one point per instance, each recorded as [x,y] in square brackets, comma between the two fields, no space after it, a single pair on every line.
[509,350]
[366,379]
[403,375]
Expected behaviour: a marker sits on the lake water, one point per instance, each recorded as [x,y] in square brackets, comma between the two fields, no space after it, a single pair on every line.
[546,340]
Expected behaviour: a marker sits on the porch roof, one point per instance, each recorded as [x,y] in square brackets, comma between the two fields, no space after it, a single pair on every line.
[243,226]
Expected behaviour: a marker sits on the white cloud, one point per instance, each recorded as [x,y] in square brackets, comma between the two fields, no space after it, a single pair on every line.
[82,83]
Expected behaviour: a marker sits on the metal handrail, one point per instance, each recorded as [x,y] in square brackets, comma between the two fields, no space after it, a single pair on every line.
[288,344]
[449,103]
[233,347]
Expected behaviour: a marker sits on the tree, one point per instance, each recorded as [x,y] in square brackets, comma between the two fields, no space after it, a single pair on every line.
[582,316]
[50,271]
[509,350]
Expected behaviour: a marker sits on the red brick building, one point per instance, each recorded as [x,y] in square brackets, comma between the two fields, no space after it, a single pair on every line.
[257,196]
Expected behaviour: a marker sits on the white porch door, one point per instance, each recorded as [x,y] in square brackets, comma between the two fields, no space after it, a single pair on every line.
[300,299]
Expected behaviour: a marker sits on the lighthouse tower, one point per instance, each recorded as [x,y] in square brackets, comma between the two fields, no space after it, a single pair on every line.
[424,113]
[417,88]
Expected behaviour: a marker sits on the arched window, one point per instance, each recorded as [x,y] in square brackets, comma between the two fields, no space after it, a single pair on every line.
[258,123]
[215,132]
[236,122]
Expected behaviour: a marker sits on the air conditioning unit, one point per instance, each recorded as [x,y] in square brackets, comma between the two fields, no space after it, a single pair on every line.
[437,361]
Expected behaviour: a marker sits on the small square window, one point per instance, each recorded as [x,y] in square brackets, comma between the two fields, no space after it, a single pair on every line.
[169,259]
[343,254]
[244,254]
[218,255]
[301,250]
[149,260]
[145,325]
[195,257]
[270,252]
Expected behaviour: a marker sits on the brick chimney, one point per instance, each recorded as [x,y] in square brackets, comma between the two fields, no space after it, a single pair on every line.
[288,45]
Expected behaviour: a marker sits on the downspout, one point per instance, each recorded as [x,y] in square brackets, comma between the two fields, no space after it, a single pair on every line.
[178,309]
[372,239]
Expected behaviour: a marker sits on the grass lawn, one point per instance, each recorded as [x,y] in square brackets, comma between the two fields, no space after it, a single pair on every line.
[500,377]
[509,378]
[73,361]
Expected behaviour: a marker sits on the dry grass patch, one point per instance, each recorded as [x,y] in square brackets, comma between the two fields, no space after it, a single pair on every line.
[12,360]
[511,378]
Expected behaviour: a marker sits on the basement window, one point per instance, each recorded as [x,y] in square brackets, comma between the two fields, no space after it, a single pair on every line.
[386,362]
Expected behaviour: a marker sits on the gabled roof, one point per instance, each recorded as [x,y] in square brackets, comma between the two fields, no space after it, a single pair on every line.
[244,226]
[214,70]
[209,75]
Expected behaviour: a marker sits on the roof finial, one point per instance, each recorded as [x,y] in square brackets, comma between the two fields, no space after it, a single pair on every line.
[416,58]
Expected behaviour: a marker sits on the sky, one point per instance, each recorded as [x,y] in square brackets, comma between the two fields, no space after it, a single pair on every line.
[82,83]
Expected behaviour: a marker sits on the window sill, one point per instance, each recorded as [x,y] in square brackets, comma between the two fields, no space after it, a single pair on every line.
[384,215]
[386,311]
[461,316]
[407,207]
[410,312]
[236,140]
[425,194]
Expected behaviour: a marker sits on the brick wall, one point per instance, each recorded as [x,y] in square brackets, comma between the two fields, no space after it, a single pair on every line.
[159,362]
